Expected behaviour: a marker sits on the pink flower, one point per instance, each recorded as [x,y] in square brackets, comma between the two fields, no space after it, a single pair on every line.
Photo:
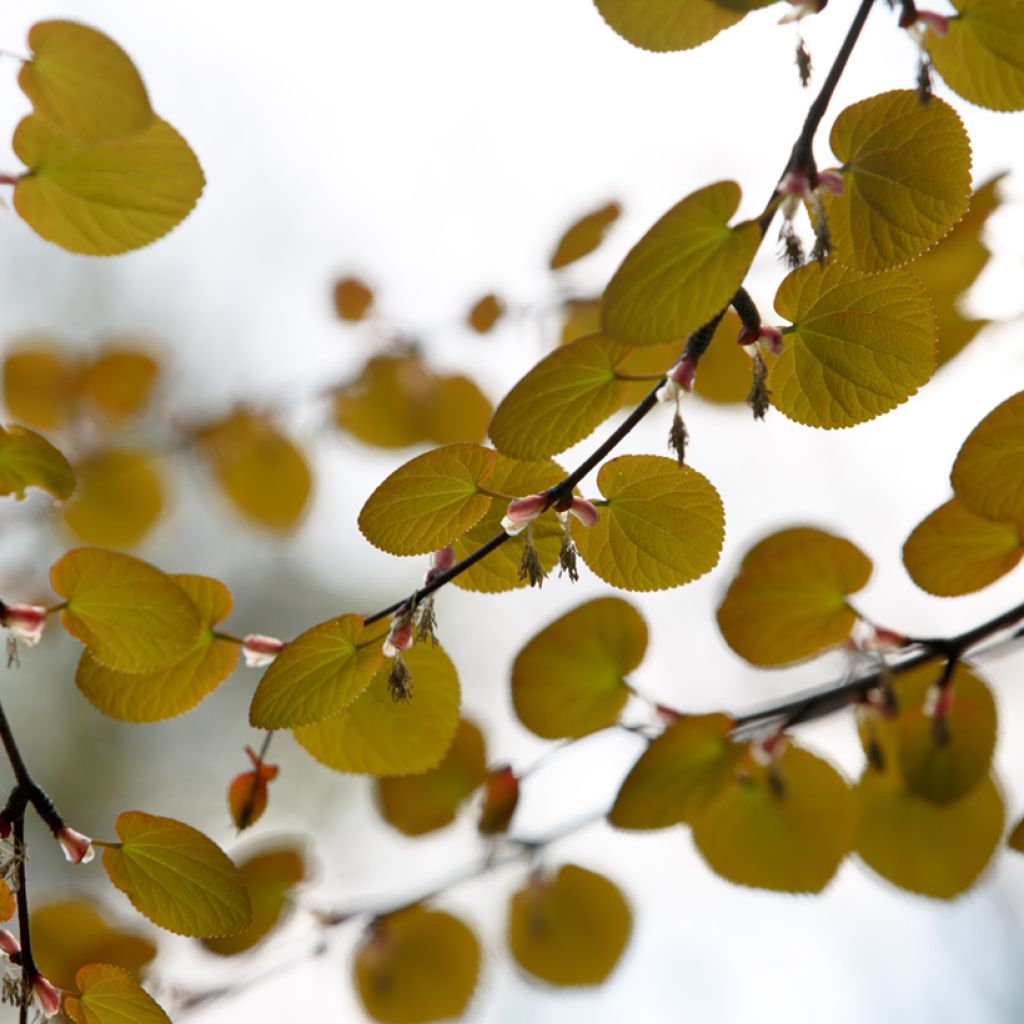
[920,23]
[9,945]
[261,650]
[400,637]
[796,186]
[78,849]
[46,996]
[522,511]
[584,511]
[440,562]
[767,338]
[679,378]
[25,621]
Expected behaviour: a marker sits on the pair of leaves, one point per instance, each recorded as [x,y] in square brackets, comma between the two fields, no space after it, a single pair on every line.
[105,174]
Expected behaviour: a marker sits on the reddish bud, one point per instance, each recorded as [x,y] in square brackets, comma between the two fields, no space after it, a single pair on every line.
[522,511]
[768,338]
[937,23]
[831,181]
[683,372]
[584,511]
[443,559]
[25,621]
[46,996]
[400,637]
[78,849]
[501,794]
[260,650]
[9,945]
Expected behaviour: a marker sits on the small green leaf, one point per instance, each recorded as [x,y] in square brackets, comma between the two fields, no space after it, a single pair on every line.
[110,995]
[27,459]
[583,236]
[664,25]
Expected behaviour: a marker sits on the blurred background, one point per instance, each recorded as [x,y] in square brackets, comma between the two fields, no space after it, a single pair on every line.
[437,152]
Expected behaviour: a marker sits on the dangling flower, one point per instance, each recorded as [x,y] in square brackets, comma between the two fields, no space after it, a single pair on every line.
[25,621]
[400,635]
[400,680]
[9,945]
[46,996]
[78,849]
[920,23]
[259,650]
[522,511]
[678,379]
[529,565]
[769,339]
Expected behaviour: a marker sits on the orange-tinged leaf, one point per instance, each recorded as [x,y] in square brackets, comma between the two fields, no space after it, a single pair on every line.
[83,82]
[68,934]
[27,459]
[570,679]
[110,995]
[785,827]
[662,524]
[130,615]
[247,799]
[988,474]
[583,236]
[428,502]
[422,803]
[377,735]
[352,299]
[723,374]
[501,797]
[7,901]
[103,197]
[119,498]
[679,772]
[663,25]
[980,58]
[683,271]
[316,676]
[262,472]
[569,929]
[896,203]
[485,313]
[860,345]
[177,877]
[932,849]
[788,601]
[500,570]
[562,400]
[269,877]
[119,382]
[416,965]
[953,551]
[166,692]
[39,384]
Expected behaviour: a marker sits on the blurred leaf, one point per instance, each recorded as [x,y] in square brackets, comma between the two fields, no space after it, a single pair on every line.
[953,551]
[416,965]
[119,382]
[422,803]
[166,692]
[662,526]
[103,197]
[176,877]
[723,374]
[580,317]
[7,901]
[110,995]
[269,878]
[27,459]
[583,236]
[785,827]
[130,615]
[119,498]
[895,203]
[83,82]
[663,25]
[352,299]
[501,797]
[678,774]
[988,474]
[459,411]
[428,502]
[683,271]
[788,601]
[39,384]
[570,679]
[859,345]
[316,676]
[1015,840]
[570,929]
[485,313]
[262,472]
[377,735]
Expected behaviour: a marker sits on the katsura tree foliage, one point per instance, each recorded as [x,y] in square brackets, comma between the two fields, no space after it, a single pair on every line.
[879,241]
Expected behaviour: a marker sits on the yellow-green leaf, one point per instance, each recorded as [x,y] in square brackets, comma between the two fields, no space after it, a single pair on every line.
[39,384]
[416,965]
[953,551]
[579,317]
[679,772]
[119,498]
[28,460]
[459,411]
[988,474]
[569,929]
[130,615]
[269,877]
[103,197]
[933,849]
[176,876]
[500,570]
[316,676]
[83,82]
[662,524]
[683,271]
[785,827]
[583,236]
[422,803]
[119,382]
[860,345]
[429,501]
[563,399]
[981,58]
[907,173]
[788,601]
[166,692]
[377,735]
[664,25]
[110,995]
[570,679]
[724,372]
